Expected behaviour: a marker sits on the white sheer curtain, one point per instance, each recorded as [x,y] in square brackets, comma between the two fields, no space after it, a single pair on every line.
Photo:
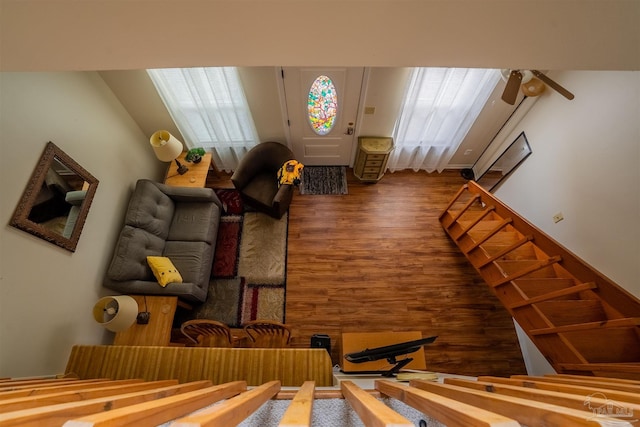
[210,109]
[439,108]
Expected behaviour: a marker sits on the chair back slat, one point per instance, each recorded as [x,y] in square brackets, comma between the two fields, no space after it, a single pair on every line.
[268,334]
[207,333]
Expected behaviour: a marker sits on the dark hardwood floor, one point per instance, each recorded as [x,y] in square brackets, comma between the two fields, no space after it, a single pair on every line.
[377,259]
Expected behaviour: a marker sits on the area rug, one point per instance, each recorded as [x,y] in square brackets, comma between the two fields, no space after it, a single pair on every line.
[248,277]
[317,180]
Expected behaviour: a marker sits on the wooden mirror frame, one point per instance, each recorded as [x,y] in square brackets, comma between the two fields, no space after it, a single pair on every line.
[20,217]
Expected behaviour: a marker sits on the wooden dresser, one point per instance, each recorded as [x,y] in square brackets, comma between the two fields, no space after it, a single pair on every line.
[372,157]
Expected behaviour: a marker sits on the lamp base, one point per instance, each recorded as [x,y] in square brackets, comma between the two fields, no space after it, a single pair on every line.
[182,169]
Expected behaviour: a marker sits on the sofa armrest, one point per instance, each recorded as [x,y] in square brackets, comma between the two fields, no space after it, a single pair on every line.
[189,194]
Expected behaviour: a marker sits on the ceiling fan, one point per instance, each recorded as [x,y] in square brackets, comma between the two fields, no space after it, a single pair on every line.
[532,82]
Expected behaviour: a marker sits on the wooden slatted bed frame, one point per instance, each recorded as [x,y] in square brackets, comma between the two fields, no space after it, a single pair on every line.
[555,400]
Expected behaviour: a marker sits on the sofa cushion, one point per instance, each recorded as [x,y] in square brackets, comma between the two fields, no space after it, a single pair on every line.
[150,209]
[192,259]
[193,222]
[130,257]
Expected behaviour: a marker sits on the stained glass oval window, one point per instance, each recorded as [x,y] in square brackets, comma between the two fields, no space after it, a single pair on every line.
[322,105]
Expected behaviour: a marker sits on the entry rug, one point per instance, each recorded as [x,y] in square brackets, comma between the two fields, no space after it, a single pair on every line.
[317,180]
[249,268]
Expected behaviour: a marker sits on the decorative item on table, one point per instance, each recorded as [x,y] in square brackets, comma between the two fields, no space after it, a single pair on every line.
[167,148]
[195,155]
[290,173]
[116,313]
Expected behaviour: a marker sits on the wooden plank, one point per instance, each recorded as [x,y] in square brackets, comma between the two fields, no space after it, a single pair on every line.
[555,294]
[454,199]
[568,400]
[587,382]
[606,379]
[490,234]
[52,388]
[528,270]
[466,206]
[21,385]
[371,411]
[505,251]
[232,411]
[55,415]
[527,412]
[471,224]
[87,393]
[161,411]
[613,323]
[565,388]
[447,411]
[301,408]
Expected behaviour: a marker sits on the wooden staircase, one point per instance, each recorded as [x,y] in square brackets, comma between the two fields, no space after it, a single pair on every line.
[581,321]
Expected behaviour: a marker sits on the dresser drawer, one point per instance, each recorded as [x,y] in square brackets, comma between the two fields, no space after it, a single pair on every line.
[370,176]
[376,157]
[373,163]
[371,170]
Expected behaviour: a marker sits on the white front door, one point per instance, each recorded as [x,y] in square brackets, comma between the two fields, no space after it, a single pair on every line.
[335,146]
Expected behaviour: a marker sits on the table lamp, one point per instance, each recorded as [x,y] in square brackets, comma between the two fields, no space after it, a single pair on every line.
[167,148]
[116,313]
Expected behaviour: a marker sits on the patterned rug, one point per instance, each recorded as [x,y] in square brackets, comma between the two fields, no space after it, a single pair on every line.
[318,180]
[249,268]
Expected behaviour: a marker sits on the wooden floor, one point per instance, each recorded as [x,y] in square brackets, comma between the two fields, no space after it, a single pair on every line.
[378,260]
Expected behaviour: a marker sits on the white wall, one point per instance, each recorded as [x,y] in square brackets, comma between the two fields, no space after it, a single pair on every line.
[46,292]
[585,164]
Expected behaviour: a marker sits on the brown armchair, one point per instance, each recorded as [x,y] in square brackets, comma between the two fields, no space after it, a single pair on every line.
[256,179]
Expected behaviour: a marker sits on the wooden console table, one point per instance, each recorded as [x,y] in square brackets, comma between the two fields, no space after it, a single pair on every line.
[158,330]
[196,176]
[353,342]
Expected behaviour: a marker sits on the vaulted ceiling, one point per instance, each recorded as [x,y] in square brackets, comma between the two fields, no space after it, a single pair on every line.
[43,35]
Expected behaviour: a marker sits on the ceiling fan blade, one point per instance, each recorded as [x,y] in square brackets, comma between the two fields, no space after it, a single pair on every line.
[511,89]
[555,86]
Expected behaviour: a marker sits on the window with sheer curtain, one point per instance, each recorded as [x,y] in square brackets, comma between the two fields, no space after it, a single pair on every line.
[210,109]
[439,107]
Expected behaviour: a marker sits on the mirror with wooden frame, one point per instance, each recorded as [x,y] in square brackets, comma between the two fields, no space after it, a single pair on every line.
[56,201]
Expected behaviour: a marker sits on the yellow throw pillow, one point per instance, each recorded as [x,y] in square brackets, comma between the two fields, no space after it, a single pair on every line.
[164,270]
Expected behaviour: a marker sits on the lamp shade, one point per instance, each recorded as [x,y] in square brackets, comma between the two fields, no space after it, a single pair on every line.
[166,146]
[116,313]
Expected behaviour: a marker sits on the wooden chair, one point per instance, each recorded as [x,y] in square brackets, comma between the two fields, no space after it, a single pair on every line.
[268,334]
[207,333]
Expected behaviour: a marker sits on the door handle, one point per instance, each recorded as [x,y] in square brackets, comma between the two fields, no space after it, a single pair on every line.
[350,129]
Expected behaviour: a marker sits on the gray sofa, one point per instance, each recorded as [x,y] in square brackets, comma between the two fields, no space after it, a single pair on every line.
[176,222]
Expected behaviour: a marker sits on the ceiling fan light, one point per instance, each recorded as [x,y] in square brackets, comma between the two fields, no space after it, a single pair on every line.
[526,75]
[533,87]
